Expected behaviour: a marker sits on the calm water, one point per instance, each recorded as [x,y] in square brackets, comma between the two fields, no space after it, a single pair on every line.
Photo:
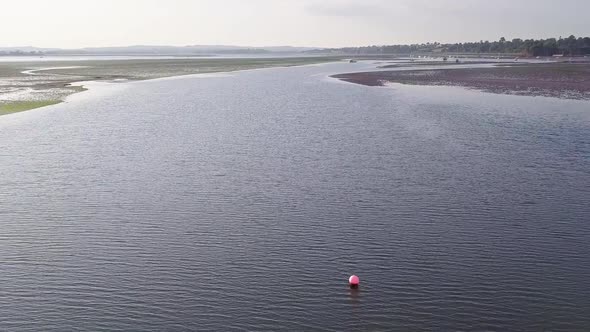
[244,202]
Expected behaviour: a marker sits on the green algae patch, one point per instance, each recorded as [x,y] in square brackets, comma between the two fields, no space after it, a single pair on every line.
[19,106]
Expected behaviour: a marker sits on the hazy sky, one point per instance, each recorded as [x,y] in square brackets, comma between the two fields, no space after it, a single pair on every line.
[80,23]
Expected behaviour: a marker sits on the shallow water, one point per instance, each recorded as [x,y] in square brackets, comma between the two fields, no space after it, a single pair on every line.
[244,202]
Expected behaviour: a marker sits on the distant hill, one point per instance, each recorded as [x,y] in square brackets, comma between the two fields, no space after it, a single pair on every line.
[154,50]
[24,50]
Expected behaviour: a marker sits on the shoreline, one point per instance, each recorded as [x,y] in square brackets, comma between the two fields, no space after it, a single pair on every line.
[32,85]
[558,80]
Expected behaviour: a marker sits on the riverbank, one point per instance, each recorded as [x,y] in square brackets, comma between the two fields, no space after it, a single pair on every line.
[32,84]
[560,80]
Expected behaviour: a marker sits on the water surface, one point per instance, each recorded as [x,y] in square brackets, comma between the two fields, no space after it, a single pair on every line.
[244,202]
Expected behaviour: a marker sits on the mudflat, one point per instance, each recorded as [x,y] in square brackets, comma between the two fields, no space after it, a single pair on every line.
[561,80]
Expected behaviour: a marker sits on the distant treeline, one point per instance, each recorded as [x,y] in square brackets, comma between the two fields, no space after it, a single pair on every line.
[570,46]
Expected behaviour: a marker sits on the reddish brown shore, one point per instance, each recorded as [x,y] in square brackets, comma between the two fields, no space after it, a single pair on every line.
[561,80]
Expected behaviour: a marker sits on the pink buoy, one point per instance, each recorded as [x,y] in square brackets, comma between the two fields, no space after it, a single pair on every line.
[353,281]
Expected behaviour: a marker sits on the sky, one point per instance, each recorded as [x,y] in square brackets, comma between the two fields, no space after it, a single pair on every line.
[315,23]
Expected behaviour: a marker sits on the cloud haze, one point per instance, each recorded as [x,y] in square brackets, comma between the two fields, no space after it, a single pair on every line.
[74,23]
[346,8]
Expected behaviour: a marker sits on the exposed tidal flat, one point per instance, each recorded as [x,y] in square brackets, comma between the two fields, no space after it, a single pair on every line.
[551,79]
[243,202]
[27,84]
